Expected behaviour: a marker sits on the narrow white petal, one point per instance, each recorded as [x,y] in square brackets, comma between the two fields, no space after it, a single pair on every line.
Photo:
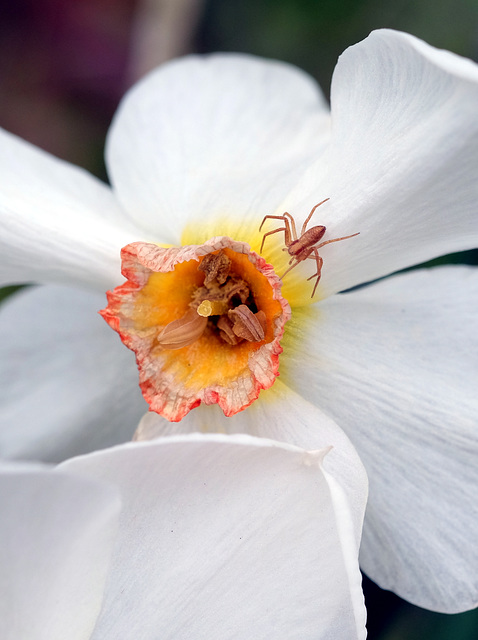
[395,365]
[403,165]
[57,222]
[214,136]
[67,383]
[56,538]
[283,415]
[227,537]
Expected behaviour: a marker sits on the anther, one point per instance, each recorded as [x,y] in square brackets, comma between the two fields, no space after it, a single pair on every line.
[248,325]
[216,266]
[183,331]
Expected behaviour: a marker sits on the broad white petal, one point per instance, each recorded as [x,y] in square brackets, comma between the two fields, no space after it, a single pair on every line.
[212,137]
[403,165]
[67,383]
[283,415]
[57,222]
[56,537]
[227,537]
[395,365]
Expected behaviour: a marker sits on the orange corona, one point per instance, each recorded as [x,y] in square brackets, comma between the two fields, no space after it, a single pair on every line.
[205,322]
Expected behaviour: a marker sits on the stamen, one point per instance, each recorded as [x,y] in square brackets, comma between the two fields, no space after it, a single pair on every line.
[225,331]
[216,267]
[213,308]
[183,331]
[248,325]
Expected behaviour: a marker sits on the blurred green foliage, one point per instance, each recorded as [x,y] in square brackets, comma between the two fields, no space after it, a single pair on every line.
[390,618]
[413,623]
[5,292]
[313,33]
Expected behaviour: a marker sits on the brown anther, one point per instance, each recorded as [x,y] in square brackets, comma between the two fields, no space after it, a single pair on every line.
[183,331]
[216,266]
[225,331]
[246,324]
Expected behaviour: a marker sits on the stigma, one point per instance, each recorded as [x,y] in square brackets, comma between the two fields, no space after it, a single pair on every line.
[205,323]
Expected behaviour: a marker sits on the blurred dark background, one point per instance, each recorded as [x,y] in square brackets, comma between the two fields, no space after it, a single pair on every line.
[64,64]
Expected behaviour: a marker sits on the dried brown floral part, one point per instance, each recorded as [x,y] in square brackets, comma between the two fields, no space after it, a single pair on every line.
[236,287]
[215,293]
[226,332]
[216,266]
[183,331]
[246,324]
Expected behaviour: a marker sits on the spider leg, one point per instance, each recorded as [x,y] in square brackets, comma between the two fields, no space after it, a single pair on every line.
[274,217]
[286,229]
[292,229]
[299,257]
[322,244]
[269,233]
[319,261]
[290,268]
[304,226]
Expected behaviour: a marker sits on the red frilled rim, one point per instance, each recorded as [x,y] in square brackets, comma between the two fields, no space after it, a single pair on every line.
[158,290]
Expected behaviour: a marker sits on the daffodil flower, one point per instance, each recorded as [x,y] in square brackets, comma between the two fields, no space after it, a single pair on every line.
[200,154]
[198,536]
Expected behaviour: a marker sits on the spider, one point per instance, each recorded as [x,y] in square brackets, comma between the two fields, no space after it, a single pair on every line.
[301,248]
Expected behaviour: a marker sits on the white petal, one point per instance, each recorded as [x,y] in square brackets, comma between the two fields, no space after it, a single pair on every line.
[395,365]
[67,383]
[56,538]
[57,222]
[227,536]
[403,160]
[283,415]
[205,137]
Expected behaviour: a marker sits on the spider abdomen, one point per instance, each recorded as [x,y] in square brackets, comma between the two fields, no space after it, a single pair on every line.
[306,241]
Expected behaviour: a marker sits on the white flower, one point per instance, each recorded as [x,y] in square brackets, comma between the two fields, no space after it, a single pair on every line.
[207,147]
[187,537]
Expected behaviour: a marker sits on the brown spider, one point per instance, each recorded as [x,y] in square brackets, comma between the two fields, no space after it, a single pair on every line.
[302,248]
